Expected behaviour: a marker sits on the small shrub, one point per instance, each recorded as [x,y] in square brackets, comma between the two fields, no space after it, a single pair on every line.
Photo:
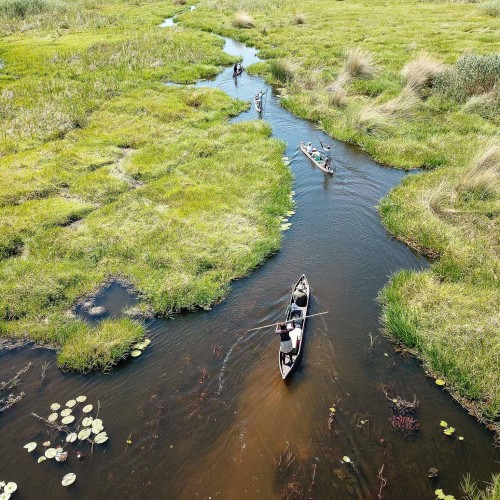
[472,75]
[243,20]
[491,8]
[359,63]
[180,2]
[482,180]
[281,70]
[421,72]
[299,18]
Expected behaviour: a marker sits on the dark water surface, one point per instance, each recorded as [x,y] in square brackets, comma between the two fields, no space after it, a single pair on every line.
[205,405]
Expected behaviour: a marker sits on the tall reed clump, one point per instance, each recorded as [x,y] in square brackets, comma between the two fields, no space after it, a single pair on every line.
[472,491]
[421,72]
[243,20]
[482,179]
[473,75]
[281,70]
[491,8]
[299,18]
[21,9]
[359,63]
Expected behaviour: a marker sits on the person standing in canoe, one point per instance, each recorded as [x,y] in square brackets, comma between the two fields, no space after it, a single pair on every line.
[259,98]
[286,346]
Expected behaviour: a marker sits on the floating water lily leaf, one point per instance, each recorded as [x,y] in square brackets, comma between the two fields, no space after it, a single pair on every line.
[68,479]
[135,353]
[66,412]
[140,345]
[332,409]
[451,429]
[9,488]
[4,496]
[81,399]
[449,497]
[87,421]
[443,423]
[394,400]
[41,459]
[87,409]
[440,381]
[30,446]
[101,438]
[71,403]
[84,434]
[460,438]
[146,341]
[55,406]
[53,417]
[129,441]
[346,459]
[46,444]
[96,429]
[68,420]
[97,421]
[71,438]
[50,452]
[439,493]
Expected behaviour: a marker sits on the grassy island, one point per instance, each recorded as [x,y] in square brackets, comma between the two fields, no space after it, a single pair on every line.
[417,85]
[107,172]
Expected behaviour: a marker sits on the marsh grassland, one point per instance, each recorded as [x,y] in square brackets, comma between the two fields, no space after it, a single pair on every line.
[107,172]
[417,85]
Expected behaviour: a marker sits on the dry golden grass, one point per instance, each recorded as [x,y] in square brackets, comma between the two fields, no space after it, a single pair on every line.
[243,20]
[402,105]
[482,179]
[359,63]
[421,72]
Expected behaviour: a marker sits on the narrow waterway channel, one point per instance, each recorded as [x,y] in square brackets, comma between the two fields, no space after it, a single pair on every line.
[205,406]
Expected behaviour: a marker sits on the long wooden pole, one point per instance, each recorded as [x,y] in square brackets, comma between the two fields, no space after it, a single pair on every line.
[274,324]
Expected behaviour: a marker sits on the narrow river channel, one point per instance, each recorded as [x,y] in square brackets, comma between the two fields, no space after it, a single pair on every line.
[205,407]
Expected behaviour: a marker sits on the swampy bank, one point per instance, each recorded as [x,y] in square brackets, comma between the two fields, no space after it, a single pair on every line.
[106,171]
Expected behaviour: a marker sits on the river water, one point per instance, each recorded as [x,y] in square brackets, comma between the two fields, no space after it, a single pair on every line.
[205,407]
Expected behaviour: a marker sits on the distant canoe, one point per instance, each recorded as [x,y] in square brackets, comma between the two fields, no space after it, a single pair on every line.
[319,164]
[238,73]
[300,297]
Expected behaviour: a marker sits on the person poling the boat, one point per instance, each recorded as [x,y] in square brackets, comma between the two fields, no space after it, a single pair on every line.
[286,345]
[259,99]
[237,69]
[309,148]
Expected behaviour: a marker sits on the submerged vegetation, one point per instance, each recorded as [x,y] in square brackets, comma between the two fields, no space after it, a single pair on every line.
[106,171]
[419,90]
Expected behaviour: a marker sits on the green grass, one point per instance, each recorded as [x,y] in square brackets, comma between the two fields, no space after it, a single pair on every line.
[473,491]
[153,174]
[415,84]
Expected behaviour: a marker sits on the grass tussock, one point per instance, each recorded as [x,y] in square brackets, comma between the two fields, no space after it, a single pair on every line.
[482,179]
[491,8]
[180,2]
[243,20]
[421,72]
[281,71]
[299,18]
[359,63]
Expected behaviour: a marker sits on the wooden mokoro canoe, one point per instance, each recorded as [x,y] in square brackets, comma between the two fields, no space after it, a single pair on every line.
[319,164]
[297,311]
[257,104]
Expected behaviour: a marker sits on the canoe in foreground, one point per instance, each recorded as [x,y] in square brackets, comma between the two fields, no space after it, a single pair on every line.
[297,311]
[258,105]
[319,164]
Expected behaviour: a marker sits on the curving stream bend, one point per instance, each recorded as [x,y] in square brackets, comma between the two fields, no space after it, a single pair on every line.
[210,426]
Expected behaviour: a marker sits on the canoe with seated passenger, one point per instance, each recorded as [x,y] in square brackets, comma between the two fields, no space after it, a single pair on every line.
[296,312]
[320,164]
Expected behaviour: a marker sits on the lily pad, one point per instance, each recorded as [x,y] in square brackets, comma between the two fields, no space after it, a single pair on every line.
[68,420]
[30,446]
[71,438]
[87,421]
[41,459]
[50,452]
[96,429]
[332,409]
[101,438]
[440,494]
[346,459]
[146,341]
[440,381]
[97,421]
[46,444]
[84,434]
[9,488]
[460,438]
[81,399]
[53,417]
[136,353]
[87,409]
[140,345]
[71,403]
[443,423]
[66,412]
[55,406]
[394,400]
[68,479]
[4,496]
